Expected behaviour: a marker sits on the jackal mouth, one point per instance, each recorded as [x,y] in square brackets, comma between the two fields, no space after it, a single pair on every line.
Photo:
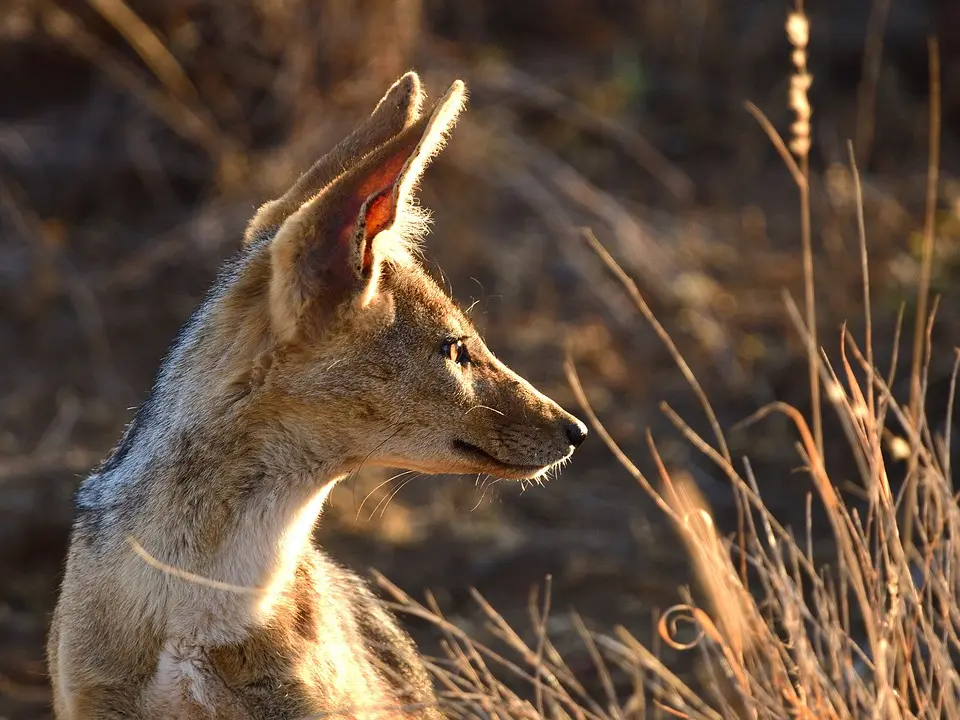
[479,453]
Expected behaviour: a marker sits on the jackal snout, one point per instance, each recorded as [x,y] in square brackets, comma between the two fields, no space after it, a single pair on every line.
[511,428]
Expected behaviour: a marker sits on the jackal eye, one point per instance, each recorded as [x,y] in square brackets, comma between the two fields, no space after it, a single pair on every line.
[456,351]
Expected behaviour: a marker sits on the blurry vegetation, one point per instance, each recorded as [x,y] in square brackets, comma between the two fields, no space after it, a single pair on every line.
[137,137]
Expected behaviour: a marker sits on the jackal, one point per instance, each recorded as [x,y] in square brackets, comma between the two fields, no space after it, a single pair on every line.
[323,346]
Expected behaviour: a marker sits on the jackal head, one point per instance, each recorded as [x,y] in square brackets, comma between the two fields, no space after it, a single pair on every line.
[359,352]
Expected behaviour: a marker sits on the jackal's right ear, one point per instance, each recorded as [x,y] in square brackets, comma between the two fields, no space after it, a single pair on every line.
[331,250]
[398,109]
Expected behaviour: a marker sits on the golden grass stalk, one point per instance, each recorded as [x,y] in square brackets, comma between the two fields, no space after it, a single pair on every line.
[796,156]
[917,390]
[798,32]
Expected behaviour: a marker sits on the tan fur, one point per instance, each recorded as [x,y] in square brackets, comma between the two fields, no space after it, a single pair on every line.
[323,346]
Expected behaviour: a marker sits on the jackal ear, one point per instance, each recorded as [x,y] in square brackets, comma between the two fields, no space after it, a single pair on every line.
[330,251]
[398,109]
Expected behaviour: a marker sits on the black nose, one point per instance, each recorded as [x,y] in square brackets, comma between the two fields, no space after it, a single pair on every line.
[576,432]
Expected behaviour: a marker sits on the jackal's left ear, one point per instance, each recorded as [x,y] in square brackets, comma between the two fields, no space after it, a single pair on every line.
[399,108]
[330,251]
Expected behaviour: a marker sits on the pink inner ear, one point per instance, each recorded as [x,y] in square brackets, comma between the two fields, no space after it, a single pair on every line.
[359,207]
[374,196]
[384,176]
[380,213]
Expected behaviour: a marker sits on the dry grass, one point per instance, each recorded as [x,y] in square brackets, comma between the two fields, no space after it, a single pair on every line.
[777,632]
[872,632]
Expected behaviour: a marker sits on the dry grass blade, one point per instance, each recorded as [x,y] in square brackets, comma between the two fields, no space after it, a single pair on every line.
[574,379]
[179,110]
[644,308]
[712,564]
[634,238]
[144,40]
[798,32]
[558,686]
[541,626]
[948,423]
[669,687]
[870,76]
[189,576]
[47,241]
[798,177]
[531,90]
[865,271]
[923,287]
[613,707]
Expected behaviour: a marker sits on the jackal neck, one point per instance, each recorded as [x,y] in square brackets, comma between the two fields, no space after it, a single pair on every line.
[221,492]
[199,489]
[207,479]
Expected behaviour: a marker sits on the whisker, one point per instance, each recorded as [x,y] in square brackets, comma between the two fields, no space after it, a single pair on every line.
[483,494]
[353,475]
[386,498]
[395,493]
[483,490]
[388,480]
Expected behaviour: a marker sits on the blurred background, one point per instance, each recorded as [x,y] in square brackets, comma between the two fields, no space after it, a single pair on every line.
[138,136]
